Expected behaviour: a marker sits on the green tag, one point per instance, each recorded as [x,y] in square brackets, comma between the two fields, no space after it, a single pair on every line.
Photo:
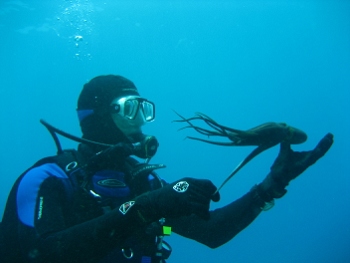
[167,230]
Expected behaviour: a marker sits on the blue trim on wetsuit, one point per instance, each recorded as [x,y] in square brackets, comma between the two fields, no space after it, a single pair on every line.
[29,187]
[82,114]
[109,183]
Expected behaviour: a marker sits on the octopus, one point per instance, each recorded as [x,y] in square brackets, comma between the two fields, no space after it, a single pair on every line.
[263,136]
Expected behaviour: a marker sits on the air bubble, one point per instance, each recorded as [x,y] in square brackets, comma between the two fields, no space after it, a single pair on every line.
[78,38]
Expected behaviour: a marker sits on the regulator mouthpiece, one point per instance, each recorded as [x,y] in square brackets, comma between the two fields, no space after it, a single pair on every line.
[147,147]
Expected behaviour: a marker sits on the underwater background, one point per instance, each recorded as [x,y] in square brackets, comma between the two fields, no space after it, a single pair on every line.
[242,63]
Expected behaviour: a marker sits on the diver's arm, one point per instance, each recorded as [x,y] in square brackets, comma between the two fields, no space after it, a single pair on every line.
[224,223]
[53,237]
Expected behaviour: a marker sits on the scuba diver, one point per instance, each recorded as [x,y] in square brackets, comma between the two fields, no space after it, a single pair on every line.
[99,204]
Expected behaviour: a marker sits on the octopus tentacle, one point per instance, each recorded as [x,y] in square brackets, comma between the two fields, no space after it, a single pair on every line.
[211,142]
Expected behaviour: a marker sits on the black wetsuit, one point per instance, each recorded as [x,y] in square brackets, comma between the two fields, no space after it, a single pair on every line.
[48,219]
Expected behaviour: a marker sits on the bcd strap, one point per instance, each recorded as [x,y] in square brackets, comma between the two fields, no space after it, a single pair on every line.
[138,176]
[72,163]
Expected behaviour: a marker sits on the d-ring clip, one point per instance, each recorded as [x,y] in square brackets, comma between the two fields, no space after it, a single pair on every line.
[130,252]
[71,166]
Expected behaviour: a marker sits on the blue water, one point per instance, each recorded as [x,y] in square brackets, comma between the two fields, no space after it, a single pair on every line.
[241,62]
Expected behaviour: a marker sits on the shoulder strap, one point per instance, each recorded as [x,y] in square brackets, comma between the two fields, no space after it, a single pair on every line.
[73,164]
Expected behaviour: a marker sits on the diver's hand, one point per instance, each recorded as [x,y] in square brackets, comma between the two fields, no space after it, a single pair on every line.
[290,164]
[181,198]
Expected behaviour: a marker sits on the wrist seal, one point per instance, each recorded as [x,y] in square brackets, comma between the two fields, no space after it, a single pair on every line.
[264,201]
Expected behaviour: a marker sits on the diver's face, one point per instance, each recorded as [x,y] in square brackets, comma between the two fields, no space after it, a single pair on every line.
[128,127]
[130,113]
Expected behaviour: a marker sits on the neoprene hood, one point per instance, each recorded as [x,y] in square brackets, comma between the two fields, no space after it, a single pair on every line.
[94,107]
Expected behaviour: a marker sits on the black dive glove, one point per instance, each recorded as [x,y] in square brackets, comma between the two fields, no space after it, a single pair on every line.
[181,198]
[289,165]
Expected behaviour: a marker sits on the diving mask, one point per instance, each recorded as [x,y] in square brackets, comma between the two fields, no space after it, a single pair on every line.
[128,107]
